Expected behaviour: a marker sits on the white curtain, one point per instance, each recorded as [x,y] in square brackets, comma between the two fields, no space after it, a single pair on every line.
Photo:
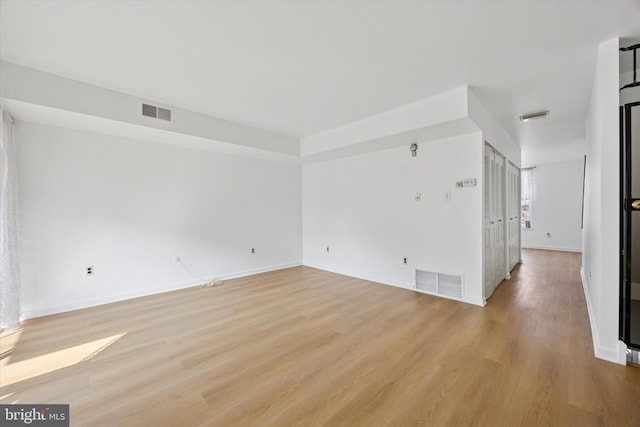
[9,275]
[527,184]
[526,196]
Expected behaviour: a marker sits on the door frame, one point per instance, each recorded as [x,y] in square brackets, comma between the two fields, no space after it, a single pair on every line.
[624,325]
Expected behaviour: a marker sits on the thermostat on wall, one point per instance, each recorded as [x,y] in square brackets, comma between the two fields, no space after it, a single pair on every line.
[467,182]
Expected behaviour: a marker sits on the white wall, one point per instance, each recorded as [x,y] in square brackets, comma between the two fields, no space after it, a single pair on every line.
[556,152]
[437,117]
[557,207]
[433,111]
[364,209]
[128,207]
[492,132]
[126,196]
[30,86]
[601,222]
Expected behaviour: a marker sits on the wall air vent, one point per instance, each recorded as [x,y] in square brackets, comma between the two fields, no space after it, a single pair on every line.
[449,285]
[156,112]
[427,281]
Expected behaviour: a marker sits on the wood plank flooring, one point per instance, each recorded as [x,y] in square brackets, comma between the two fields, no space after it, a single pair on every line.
[304,347]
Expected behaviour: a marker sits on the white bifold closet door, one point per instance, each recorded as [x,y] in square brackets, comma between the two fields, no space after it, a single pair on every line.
[494,224]
[513,214]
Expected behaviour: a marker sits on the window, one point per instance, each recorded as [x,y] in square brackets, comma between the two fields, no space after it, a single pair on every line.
[527,198]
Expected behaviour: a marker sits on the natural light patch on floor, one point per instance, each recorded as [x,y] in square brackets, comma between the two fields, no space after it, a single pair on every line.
[50,362]
[8,341]
[5,397]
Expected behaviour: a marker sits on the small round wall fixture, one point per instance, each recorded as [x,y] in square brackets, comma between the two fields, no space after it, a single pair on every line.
[414,149]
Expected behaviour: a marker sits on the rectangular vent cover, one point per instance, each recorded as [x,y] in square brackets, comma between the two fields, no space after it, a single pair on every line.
[156,112]
[427,281]
[439,283]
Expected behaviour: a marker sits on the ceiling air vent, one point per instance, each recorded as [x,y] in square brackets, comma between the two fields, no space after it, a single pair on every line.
[156,112]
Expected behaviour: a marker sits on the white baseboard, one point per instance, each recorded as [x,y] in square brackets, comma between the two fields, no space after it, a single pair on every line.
[548,248]
[615,355]
[384,281]
[93,302]
[245,273]
[475,301]
[359,275]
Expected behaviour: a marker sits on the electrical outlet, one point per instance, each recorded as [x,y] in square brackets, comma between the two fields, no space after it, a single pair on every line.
[176,259]
[404,260]
[327,248]
[89,270]
[253,250]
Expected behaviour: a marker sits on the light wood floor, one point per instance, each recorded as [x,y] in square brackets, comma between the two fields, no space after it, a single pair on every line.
[306,347]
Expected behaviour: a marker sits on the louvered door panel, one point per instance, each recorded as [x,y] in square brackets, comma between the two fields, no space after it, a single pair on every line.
[488,229]
[500,244]
[514,204]
[495,226]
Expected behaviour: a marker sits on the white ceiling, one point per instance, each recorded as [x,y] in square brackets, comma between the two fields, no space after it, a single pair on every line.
[302,67]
